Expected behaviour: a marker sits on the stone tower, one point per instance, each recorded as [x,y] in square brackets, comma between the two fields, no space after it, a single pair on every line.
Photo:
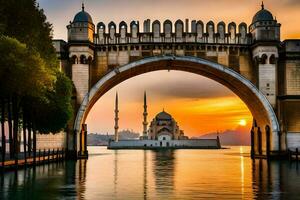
[80,36]
[266,39]
[145,114]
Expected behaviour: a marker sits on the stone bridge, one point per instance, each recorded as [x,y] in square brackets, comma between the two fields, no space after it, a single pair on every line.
[251,61]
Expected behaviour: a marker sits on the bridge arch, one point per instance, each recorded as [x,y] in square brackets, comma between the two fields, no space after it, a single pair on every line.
[257,103]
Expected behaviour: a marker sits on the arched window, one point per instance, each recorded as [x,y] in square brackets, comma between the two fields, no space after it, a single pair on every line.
[199,29]
[123,29]
[156,28]
[210,30]
[243,30]
[264,58]
[221,30]
[74,59]
[167,28]
[83,59]
[232,32]
[101,32]
[134,29]
[112,30]
[90,60]
[178,28]
[272,59]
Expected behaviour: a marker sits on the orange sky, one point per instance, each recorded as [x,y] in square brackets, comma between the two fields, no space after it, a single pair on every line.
[198,104]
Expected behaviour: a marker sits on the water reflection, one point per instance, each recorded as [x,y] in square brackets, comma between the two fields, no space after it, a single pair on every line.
[242,172]
[275,180]
[42,182]
[81,180]
[115,171]
[164,172]
[179,174]
[145,170]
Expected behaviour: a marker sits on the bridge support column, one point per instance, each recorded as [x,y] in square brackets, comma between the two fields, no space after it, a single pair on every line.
[268,141]
[259,136]
[83,153]
[252,143]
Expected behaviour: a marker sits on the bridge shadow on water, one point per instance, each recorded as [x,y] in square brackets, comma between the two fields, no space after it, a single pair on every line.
[156,173]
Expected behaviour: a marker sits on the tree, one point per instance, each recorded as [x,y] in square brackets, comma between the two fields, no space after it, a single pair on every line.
[45,108]
[22,74]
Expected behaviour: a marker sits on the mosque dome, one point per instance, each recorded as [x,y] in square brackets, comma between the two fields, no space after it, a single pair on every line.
[83,16]
[163,116]
[262,15]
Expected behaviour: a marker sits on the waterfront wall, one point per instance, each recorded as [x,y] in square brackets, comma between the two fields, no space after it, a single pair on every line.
[148,144]
[51,141]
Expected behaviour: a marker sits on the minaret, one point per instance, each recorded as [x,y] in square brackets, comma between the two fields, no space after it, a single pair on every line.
[116,119]
[145,114]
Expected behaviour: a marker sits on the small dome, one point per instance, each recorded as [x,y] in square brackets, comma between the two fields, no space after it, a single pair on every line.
[163,116]
[83,16]
[262,15]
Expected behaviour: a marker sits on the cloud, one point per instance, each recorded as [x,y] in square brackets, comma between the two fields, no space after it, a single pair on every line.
[189,86]
[292,2]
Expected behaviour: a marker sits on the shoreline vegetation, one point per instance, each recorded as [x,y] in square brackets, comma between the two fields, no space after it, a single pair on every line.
[35,95]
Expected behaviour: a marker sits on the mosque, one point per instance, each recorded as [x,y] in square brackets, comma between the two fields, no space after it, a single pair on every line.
[164,127]
[163,132]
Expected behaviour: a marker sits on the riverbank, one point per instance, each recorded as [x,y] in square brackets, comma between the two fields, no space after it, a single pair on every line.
[40,157]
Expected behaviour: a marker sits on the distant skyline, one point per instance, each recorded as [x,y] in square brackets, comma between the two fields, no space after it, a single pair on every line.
[198,104]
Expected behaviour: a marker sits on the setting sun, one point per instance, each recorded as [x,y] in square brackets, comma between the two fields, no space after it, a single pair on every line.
[242,122]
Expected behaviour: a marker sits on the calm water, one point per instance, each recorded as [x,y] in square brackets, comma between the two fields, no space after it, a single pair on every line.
[179,174]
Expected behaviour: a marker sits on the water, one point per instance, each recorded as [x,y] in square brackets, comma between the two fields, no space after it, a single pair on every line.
[138,174]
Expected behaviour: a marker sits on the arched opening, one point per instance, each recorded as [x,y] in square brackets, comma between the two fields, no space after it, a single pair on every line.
[257,103]
[264,59]
[83,59]
[272,59]
[74,59]
[90,60]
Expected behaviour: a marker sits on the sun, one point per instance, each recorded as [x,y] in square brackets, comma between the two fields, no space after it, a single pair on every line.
[242,122]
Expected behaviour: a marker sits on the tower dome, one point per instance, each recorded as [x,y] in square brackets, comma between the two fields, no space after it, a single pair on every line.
[262,15]
[83,16]
[163,116]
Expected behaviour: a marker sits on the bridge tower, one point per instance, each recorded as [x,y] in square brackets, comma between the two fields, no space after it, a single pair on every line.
[265,33]
[81,55]
[266,39]
[80,39]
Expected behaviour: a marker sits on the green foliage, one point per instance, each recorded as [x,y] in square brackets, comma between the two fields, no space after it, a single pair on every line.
[23,20]
[29,67]
[22,71]
[54,112]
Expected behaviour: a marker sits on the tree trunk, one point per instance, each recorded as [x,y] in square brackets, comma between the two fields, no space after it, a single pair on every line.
[29,125]
[3,128]
[24,134]
[34,143]
[11,145]
[16,110]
